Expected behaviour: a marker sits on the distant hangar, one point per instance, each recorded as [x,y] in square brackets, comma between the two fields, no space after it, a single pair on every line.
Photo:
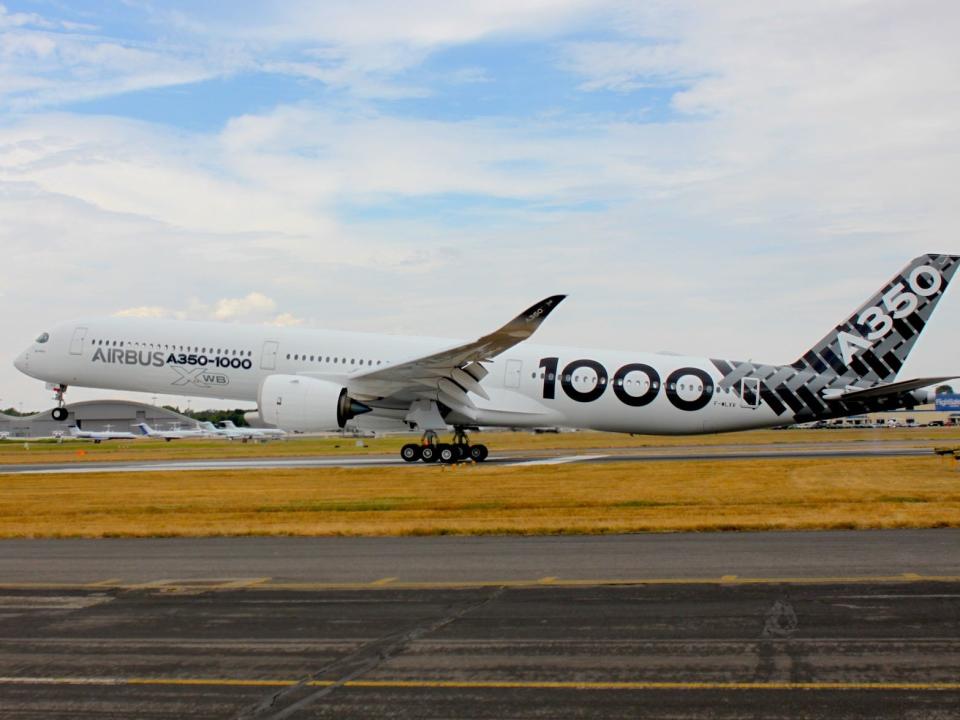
[96,415]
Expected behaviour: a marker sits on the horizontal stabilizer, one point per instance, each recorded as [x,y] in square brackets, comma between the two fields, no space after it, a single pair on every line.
[879,391]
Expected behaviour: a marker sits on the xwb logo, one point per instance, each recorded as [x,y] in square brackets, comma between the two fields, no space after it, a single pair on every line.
[199,377]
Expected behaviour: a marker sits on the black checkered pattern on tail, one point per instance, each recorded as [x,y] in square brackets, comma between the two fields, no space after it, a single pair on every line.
[849,357]
[797,389]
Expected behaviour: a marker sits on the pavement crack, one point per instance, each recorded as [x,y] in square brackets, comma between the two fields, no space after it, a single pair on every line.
[284,703]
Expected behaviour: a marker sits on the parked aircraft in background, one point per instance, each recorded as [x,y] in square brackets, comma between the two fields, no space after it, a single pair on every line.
[169,435]
[254,433]
[232,432]
[99,436]
[315,380]
[211,430]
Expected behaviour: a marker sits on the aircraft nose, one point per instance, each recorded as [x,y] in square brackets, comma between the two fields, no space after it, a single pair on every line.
[21,362]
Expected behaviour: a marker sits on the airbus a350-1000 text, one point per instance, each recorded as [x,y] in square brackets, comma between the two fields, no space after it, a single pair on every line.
[316,380]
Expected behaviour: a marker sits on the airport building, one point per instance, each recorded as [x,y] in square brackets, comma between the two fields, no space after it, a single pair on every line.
[95,415]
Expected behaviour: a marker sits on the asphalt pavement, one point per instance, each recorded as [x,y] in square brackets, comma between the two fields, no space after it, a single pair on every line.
[784,650]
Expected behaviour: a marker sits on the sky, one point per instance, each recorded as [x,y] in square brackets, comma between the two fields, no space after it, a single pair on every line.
[720,178]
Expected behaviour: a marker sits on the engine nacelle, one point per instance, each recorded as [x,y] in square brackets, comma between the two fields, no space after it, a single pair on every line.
[924,396]
[303,404]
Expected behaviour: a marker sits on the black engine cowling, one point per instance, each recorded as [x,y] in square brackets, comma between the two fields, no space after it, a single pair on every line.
[304,404]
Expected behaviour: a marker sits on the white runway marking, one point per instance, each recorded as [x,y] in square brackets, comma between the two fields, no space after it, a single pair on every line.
[207,465]
[557,460]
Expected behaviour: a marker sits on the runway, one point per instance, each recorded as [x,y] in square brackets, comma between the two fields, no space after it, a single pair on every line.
[713,625]
[329,562]
[518,459]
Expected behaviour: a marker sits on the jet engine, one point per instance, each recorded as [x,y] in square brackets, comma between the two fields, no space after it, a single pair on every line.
[924,396]
[303,404]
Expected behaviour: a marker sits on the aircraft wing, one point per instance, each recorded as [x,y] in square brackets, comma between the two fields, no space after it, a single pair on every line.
[879,391]
[450,374]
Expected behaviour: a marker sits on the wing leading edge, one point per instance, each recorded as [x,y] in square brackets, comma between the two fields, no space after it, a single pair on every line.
[456,371]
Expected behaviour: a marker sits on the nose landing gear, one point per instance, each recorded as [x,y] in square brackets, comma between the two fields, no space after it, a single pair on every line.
[429,450]
[59,413]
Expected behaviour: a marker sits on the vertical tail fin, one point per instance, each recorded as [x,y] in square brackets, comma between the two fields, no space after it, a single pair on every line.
[872,344]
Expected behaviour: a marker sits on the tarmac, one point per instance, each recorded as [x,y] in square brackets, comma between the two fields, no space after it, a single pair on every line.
[774,625]
[852,449]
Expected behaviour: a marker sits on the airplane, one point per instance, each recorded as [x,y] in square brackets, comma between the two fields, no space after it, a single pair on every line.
[169,435]
[99,436]
[252,432]
[212,430]
[232,432]
[316,380]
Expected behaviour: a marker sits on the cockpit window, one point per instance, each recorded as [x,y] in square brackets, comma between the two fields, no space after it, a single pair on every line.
[43,338]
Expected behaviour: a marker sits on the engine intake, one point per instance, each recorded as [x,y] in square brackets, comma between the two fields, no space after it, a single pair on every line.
[303,404]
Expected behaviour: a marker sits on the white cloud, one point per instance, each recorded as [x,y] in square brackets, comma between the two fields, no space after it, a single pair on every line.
[41,67]
[255,304]
[144,311]
[255,307]
[418,23]
[286,320]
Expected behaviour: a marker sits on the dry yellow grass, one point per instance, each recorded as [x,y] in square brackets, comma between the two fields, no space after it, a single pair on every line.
[17,452]
[618,497]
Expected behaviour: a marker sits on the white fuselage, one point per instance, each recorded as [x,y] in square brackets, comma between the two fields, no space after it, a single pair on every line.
[528,386]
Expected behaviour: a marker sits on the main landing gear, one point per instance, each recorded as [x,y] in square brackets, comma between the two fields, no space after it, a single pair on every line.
[59,413]
[429,450]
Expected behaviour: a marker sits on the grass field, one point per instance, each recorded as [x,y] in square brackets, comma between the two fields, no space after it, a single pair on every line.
[423,500]
[17,452]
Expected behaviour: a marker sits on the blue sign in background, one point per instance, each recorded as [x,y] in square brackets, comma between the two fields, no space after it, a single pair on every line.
[948,401]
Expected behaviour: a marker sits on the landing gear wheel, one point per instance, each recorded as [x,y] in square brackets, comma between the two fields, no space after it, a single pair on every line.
[428,453]
[463,451]
[478,453]
[447,453]
[59,414]
[410,452]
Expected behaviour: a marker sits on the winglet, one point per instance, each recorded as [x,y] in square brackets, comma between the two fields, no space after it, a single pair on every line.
[524,324]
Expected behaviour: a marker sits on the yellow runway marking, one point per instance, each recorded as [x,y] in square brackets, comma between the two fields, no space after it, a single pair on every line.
[572,685]
[243,583]
[383,581]
[493,684]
